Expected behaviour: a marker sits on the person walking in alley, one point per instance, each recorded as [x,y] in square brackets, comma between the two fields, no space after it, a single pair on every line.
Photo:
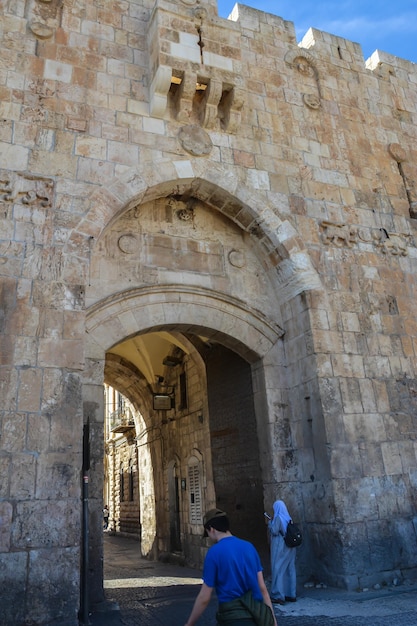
[106,517]
[284,582]
[233,568]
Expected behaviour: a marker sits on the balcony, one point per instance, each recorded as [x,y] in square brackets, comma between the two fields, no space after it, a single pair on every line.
[121,421]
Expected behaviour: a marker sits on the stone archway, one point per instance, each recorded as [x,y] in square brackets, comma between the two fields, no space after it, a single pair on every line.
[228,318]
[217,186]
[250,340]
[244,330]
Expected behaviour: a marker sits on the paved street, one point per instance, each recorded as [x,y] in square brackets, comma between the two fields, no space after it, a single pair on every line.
[162,594]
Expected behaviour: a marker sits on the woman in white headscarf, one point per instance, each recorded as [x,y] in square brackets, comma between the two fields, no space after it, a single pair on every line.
[283,586]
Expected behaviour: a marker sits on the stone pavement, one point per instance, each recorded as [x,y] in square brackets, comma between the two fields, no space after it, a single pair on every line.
[144,593]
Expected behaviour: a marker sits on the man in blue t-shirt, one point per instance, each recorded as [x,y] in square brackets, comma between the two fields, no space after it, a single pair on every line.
[232,567]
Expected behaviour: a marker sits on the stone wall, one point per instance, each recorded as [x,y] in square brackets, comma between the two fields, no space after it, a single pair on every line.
[164,169]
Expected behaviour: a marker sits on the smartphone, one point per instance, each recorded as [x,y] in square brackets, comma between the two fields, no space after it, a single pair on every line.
[267,516]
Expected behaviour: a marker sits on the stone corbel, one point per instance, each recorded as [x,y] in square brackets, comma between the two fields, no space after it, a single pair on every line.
[159,91]
[212,99]
[234,115]
[185,97]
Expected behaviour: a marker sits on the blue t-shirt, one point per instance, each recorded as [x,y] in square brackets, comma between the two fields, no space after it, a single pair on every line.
[231,566]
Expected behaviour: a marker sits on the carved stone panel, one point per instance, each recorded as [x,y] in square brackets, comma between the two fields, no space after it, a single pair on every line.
[347,235]
[16,187]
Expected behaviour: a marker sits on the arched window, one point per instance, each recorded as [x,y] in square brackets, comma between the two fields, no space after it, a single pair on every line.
[194,489]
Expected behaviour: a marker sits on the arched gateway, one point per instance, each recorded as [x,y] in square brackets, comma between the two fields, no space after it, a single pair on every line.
[218,222]
[187,268]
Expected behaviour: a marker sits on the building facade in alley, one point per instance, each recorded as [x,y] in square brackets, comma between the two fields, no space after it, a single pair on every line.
[213,226]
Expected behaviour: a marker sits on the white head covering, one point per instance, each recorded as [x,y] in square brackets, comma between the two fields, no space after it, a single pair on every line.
[280,510]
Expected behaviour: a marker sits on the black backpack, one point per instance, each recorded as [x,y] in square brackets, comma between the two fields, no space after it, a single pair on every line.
[293,536]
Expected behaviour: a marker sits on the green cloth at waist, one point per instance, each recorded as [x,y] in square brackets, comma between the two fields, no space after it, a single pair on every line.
[245,607]
[232,610]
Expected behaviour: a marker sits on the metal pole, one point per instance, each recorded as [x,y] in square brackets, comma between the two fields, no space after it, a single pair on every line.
[84,612]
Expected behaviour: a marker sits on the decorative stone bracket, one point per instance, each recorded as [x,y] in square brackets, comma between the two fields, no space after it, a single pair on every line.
[209,102]
[189,82]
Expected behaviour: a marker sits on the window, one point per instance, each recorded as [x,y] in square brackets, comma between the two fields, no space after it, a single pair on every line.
[194,489]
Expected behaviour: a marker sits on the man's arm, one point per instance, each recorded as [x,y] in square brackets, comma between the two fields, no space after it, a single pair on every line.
[200,604]
[265,594]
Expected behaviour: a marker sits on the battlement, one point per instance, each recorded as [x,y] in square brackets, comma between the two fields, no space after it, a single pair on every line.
[202,66]
[330,46]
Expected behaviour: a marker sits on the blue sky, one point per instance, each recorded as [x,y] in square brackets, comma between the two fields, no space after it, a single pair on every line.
[390,26]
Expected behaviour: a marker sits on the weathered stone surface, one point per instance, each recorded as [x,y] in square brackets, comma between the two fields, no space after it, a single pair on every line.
[14,588]
[6,520]
[168,189]
[46,523]
[58,478]
[23,476]
[58,582]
